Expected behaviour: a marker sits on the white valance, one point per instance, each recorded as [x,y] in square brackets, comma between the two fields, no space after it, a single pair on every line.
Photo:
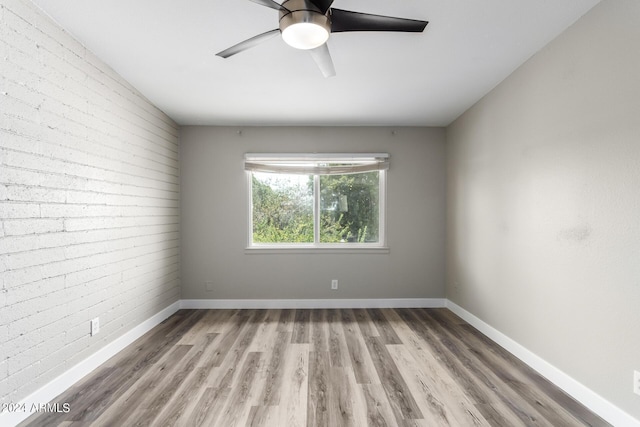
[317,163]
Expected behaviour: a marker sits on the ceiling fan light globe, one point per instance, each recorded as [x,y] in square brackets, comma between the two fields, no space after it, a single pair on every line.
[305,35]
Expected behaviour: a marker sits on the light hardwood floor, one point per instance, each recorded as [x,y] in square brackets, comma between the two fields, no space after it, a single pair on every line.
[334,367]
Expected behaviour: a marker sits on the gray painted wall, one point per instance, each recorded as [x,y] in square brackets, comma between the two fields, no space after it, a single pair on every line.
[544,204]
[88,203]
[214,217]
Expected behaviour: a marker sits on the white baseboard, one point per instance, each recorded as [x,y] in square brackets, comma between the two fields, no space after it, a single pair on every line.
[58,385]
[312,303]
[582,394]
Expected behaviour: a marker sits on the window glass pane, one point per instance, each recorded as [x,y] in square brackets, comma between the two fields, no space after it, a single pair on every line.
[349,208]
[282,208]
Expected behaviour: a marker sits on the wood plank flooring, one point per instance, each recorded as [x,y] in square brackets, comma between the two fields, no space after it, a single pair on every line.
[334,367]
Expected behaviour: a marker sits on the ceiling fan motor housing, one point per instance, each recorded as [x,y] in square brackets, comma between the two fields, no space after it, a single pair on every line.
[309,16]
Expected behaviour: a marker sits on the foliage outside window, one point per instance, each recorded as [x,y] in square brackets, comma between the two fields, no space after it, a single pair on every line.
[317,200]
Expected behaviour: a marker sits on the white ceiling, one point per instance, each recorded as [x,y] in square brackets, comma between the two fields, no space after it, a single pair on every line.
[166,49]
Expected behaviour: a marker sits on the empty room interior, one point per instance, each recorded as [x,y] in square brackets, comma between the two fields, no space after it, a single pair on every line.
[432,217]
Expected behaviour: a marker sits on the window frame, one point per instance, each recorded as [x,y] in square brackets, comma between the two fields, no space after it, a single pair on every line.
[317,246]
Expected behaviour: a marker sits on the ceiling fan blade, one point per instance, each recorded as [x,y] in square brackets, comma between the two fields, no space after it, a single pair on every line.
[272,4]
[323,59]
[247,44]
[323,5]
[346,20]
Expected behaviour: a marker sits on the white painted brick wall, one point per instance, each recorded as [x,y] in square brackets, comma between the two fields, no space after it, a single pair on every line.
[89,202]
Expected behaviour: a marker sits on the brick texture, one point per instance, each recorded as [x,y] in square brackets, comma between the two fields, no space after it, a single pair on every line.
[89,202]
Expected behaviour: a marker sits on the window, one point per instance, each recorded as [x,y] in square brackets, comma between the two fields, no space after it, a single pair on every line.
[316,201]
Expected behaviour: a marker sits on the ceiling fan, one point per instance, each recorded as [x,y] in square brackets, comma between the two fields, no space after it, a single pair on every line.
[307,24]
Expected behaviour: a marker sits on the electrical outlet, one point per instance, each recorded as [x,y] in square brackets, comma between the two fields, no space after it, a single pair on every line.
[636,382]
[334,284]
[95,326]
[208,285]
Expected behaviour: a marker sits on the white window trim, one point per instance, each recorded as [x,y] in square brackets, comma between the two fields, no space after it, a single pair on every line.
[317,247]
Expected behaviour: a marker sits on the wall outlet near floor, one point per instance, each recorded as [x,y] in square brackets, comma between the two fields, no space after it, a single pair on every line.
[95,326]
[636,382]
[334,284]
[208,285]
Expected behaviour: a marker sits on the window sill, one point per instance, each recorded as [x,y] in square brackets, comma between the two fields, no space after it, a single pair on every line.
[274,250]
